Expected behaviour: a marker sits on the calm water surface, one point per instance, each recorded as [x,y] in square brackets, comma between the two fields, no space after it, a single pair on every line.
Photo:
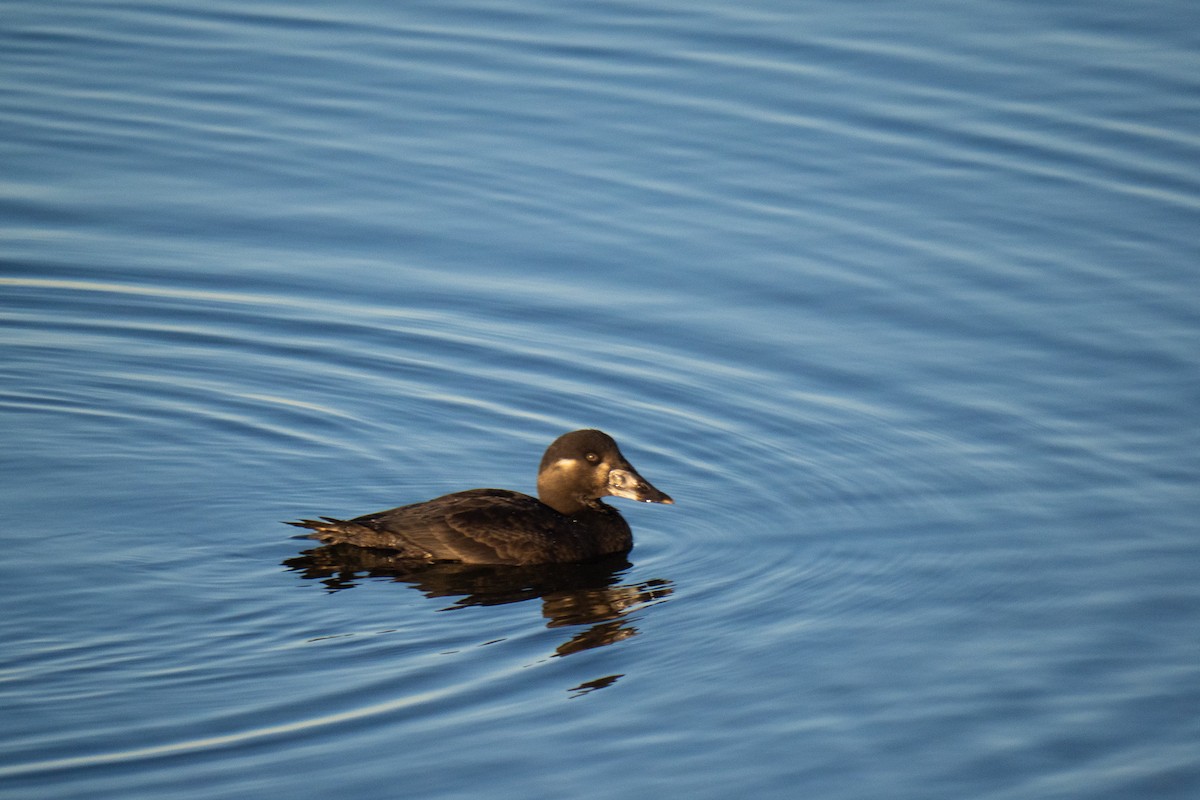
[900,303]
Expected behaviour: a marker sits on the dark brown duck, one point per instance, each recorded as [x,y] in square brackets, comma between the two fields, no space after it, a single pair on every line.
[567,521]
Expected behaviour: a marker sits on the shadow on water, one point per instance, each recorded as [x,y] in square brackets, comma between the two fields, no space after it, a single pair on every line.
[588,594]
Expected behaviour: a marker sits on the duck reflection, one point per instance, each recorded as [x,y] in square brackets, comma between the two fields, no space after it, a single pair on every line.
[572,594]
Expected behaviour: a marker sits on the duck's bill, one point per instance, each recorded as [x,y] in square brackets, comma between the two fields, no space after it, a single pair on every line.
[627,483]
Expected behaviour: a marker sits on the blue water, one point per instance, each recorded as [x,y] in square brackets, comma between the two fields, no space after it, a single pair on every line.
[898,302]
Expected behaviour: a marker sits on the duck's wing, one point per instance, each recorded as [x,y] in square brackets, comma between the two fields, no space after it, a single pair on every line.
[492,526]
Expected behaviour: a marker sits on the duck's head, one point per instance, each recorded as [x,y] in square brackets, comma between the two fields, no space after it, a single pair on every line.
[582,466]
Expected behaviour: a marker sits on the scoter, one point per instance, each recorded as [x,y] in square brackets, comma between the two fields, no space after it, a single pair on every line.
[566,522]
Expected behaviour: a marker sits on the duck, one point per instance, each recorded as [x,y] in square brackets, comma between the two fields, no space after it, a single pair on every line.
[567,522]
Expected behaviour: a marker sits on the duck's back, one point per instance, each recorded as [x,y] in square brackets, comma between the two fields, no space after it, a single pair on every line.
[484,526]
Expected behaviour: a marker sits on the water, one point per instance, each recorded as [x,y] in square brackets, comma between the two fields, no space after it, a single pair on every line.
[898,303]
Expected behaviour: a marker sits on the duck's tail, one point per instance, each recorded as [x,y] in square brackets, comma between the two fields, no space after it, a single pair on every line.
[329,529]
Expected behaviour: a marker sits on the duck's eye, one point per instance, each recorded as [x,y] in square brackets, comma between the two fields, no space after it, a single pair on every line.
[592,458]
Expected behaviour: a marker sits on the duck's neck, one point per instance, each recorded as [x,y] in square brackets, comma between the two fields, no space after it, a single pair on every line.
[556,495]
